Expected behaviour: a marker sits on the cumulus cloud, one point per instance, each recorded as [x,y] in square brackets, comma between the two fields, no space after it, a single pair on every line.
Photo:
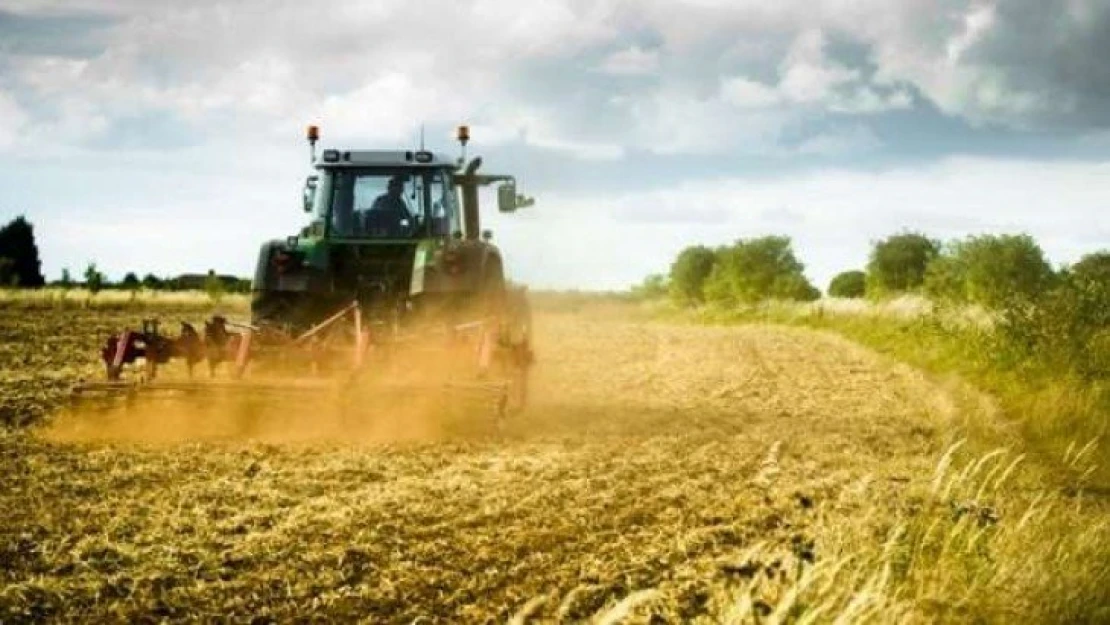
[746,93]
[260,67]
[839,141]
[13,119]
[631,61]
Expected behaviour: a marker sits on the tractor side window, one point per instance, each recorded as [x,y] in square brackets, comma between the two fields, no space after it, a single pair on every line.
[321,202]
[443,214]
[342,205]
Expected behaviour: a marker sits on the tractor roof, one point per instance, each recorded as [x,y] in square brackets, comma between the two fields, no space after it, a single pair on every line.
[381,158]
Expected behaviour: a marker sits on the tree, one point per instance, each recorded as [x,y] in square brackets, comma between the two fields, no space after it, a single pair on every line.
[898,263]
[94,280]
[67,279]
[989,270]
[214,287]
[1092,269]
[848,284]
[689,272]
[152,282]
[1000,267]
[130,282]
[17,243]
[753,270]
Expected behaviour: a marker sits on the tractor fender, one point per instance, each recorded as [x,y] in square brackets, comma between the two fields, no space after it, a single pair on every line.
[263,270]
[480,263]
[289,268]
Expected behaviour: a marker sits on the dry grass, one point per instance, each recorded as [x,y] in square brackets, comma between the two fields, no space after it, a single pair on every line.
[715,474]
[904,308]
[56,297]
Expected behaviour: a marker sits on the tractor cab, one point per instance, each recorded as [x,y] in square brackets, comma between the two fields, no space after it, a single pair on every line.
[379,196]
[389,229]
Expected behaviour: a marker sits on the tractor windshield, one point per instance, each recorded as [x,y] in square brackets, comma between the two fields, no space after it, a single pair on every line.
[388,204]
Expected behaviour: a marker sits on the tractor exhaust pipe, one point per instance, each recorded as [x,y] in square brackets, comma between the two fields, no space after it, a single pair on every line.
[472,226]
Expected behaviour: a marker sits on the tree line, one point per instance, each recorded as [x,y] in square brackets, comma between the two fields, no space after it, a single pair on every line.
[986,270]
[1056,317]
[21,267]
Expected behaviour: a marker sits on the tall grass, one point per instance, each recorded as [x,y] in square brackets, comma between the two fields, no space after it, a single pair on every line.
[54,297]
[975,548]
[975,544]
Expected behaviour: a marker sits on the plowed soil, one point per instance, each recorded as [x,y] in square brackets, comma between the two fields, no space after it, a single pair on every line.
[685,461]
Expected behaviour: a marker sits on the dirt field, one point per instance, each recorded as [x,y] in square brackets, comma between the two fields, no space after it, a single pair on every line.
[681,471]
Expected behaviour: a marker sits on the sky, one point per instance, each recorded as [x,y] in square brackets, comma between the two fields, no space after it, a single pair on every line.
[168,137]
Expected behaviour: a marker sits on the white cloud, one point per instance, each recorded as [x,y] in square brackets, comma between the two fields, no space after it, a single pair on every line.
[672,121]
[840,141]
[13,119]
[977,22]
[271,67]
[745,93]
[807,76]
[632,61]
[808,79]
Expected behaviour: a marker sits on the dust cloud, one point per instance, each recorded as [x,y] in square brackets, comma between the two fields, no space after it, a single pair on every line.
[418,397]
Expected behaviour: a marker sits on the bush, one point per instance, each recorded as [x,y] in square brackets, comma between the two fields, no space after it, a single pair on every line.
[8,276]
[850,284]
[152,282]
[753,270]
[946,280]
[94,280]
[689,272]
[653,287]
[1065,331]
[898,263]
[214,287]
[990,270]
[130,282]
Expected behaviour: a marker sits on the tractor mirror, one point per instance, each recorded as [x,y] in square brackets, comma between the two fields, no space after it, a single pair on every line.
[506,197]
[310,192]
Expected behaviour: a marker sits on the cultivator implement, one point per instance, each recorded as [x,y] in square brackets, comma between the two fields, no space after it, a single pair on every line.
[346,359]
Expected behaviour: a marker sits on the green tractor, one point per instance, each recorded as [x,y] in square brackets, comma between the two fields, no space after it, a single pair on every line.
[400,233]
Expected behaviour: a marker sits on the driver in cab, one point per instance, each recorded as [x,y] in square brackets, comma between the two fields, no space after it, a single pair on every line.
[389,216]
